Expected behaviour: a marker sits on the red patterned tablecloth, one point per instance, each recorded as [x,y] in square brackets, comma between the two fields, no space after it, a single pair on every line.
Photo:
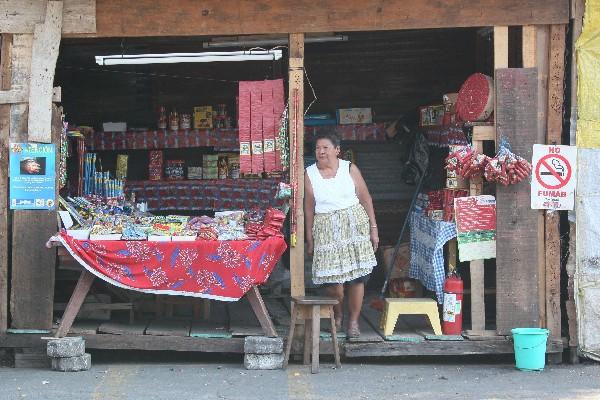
[220,270]
[221,139]
[222,194]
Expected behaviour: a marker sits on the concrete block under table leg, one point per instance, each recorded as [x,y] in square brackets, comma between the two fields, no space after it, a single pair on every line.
[263,345]
[263,361]
[66,347]
[72,364]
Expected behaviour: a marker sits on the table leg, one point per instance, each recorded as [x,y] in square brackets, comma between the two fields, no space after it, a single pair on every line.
[260,310]
[81,290]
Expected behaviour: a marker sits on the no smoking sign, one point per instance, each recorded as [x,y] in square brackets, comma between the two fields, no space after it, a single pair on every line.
[553,183]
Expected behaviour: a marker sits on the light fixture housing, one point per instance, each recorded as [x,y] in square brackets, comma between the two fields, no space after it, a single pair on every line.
[171,58]
[271,41]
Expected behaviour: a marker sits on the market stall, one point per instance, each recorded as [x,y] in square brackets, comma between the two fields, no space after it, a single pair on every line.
[191,141]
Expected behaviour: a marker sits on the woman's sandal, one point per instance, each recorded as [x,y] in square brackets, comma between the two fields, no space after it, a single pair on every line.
[353,330]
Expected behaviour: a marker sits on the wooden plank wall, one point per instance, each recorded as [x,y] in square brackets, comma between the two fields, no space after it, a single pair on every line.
[32,266]
[517,304]
[126,18]
[5,84]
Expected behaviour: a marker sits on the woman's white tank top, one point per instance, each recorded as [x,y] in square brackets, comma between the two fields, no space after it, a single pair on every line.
[334,193]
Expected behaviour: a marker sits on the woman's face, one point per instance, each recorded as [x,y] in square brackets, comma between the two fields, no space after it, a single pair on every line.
[325,150]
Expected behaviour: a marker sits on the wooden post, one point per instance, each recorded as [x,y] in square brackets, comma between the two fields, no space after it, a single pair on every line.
[475,188]
[556,75]
[32,265]
[5,83]
[46,41]
[296,128]
[541,63]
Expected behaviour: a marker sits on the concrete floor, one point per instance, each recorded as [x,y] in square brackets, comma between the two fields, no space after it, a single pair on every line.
[166,376]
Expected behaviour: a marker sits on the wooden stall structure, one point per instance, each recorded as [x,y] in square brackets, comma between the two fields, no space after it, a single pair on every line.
[528,240]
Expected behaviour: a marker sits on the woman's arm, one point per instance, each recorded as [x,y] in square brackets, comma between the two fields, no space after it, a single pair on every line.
[309,213]
[364,197]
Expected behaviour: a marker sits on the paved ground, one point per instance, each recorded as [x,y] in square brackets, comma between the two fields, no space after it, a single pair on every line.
[167,376]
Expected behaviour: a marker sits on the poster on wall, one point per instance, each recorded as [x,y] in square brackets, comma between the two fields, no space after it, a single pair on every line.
[32,176]
[476,227]
[553,182]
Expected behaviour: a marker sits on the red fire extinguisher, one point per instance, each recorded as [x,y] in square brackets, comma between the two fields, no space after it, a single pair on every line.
[453,297]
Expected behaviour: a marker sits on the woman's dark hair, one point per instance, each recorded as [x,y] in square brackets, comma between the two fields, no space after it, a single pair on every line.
[332,137]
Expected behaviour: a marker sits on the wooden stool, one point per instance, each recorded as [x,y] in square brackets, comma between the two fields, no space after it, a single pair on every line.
[396,307]
[312,308]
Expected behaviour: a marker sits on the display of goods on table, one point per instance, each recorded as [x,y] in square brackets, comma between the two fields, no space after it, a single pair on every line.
[476,227]
[218,257]
[121,221]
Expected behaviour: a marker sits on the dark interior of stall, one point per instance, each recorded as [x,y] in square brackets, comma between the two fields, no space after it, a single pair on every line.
[391,73]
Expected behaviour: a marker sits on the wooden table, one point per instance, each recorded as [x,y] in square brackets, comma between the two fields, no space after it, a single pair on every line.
[87,278]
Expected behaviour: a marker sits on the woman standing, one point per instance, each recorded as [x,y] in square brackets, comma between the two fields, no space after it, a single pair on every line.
[340,227]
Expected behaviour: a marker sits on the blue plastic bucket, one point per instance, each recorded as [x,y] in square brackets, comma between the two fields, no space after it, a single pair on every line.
[530,348]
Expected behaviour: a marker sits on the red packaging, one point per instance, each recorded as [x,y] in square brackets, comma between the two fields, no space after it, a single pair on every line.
[244,127]
[256,127]
[155,165]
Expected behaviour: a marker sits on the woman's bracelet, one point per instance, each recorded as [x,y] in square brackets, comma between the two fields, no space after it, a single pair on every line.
[373,226]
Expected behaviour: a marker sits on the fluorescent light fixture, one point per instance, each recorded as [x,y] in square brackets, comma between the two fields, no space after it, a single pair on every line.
[171,58]
[272,41]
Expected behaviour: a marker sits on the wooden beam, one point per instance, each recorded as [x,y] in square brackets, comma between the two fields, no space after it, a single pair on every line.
[296,124]
[261,312]
[476,267]
[556,80]
[121,18]
[438,348]
[542,65]
[529,50]
[500,47]
[75,301]
[21,16]
[46,41]
[19,96]
[556,75]
[517,268]
[5,83]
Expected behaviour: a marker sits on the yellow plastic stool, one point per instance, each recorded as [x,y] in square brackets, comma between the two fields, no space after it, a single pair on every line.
[396,307]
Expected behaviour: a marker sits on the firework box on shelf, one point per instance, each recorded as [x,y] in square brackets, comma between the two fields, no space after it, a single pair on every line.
[449,100]
[114,126]
[431,115]
[194,173]
[347,116]
[121,170]
[203,117]
[210,173]
[175,169]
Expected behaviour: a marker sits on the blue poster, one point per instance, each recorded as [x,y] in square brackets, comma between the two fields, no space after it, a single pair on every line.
[32,176]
